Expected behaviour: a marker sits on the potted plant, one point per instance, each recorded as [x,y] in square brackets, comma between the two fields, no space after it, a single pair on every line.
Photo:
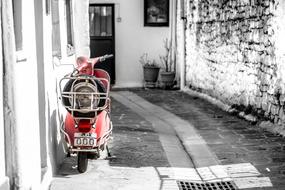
[168,75]
[150,70]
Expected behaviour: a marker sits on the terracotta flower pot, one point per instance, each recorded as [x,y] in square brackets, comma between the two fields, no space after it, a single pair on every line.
[167,79]
[150,74]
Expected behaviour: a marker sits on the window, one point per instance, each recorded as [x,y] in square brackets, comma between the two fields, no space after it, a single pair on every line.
[17,14]
[56,43]
[68,16]
[100,18]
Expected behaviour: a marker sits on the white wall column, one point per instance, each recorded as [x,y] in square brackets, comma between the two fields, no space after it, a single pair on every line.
[4,181]
[81,27]
[8,45]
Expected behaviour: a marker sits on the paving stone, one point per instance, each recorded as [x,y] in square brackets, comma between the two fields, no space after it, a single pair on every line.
[251,182]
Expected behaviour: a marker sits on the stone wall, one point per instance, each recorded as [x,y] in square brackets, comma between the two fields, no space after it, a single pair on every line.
[235,51]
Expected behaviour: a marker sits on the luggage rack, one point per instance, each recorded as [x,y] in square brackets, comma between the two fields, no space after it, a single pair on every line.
[93,101]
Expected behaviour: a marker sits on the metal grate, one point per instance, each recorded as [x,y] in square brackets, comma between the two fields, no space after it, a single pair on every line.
[220,185]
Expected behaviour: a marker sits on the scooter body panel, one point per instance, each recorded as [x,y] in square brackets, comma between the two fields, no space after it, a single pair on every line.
[99,129]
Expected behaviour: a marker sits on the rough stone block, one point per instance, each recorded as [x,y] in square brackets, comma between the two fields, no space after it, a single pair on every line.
[276,118]
[274,110]
[264,105]
[264,88]
[266,114]
[282,99]
[268,109]
[258,102]
[281,114]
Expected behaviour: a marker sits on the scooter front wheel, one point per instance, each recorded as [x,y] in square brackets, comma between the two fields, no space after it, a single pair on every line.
[82,162]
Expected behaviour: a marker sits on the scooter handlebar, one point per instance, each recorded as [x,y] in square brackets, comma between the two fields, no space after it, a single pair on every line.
[75,72]
[105,57]
[81,64]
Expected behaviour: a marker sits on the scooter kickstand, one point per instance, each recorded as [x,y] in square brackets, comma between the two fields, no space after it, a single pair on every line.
[109,153]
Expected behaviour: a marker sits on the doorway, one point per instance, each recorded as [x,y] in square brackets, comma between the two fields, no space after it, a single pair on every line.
[102,35]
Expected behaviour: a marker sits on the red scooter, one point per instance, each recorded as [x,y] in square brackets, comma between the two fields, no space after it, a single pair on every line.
[85,95]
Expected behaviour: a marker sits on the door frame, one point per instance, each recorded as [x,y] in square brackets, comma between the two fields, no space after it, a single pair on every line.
[111,38]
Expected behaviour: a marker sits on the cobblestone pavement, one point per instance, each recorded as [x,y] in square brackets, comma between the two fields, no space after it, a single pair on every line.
[135,143]
[233,140]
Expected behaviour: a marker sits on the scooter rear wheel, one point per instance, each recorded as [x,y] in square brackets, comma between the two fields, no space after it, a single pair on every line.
[82,162]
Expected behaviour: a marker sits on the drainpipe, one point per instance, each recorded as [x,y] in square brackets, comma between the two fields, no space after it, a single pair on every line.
[9,60]
[173,36]
[183,51]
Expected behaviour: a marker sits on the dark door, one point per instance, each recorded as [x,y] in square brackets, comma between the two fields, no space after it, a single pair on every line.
[102,33]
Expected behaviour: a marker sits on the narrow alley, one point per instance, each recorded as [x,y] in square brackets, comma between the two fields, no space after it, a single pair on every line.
[67,63]
[173,140]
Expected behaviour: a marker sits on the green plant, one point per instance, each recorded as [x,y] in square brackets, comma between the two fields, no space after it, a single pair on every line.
[166,59]
[146,62]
